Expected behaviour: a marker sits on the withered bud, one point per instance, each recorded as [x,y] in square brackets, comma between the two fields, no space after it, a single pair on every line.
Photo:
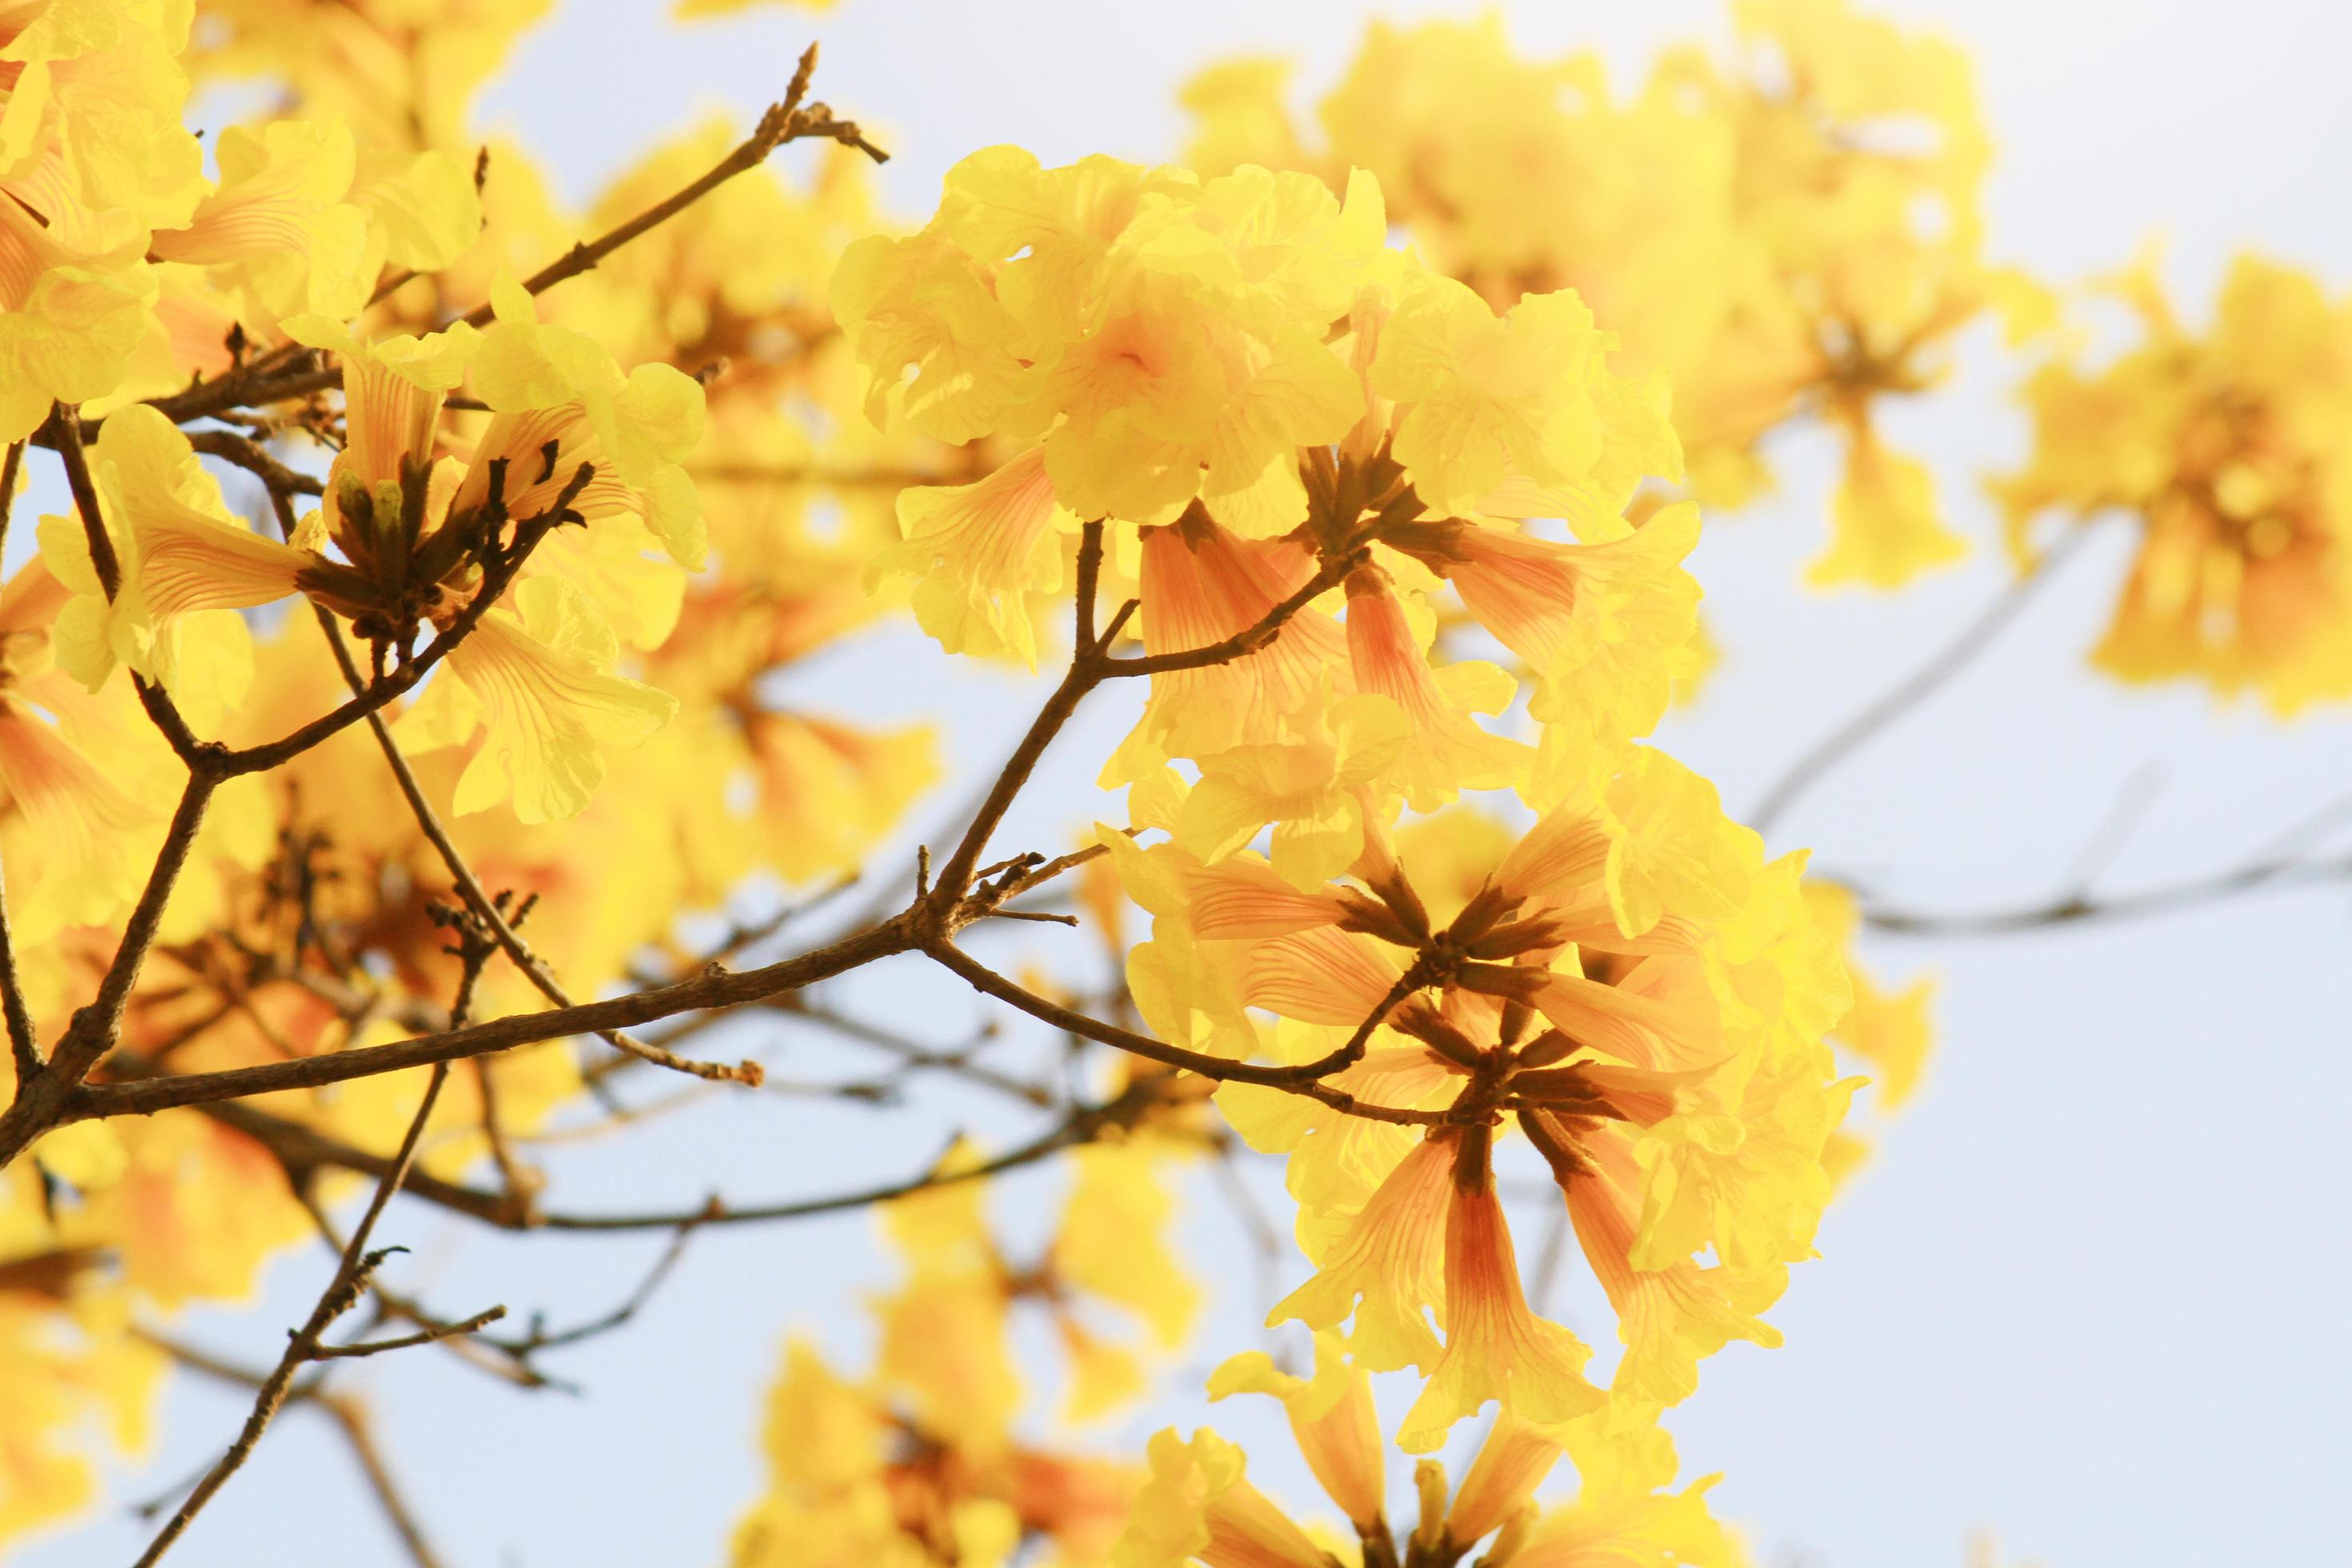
[1545,1048]
[1425,1024]
[1514,937]
[1373,919]
[1512,983]
[1433,544]
[1556,1142]
[1486,908]
[1567,1087]
[1398,894]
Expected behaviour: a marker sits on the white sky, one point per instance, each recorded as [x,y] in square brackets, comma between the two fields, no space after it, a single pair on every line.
[2086,1298]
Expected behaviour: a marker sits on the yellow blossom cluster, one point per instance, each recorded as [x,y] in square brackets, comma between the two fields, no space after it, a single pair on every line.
[1303,447]
[2226,449]
[1199,1504]
[602,506]
[923,1460]
[1790,231]
[395,676]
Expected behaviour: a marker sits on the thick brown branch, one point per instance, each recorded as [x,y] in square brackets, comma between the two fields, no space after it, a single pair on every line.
[42,1100]
[717,988]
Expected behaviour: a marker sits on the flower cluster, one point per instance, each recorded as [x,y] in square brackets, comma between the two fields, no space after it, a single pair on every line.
[2227,450]
[1199,1502]
[1792,231]
[922,1461]
[481,486]
[1310,454]
[442,549]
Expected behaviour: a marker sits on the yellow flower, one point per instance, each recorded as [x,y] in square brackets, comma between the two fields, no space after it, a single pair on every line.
[1387,1267]
[1888,1030]
[978,552]
[547,383]
[79,781]
[1200,585]
[1495,1347]
[1483,397]
[1330,1415]
[1199,1504]
[1310,790]
[537,682]
[1113,1240]
[185,566]
[1886,526]
[278,231]
[74,294]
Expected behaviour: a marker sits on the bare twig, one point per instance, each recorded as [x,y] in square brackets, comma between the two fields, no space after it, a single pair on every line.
[1948,661]
[788,120]
[474,949]
[540,1339]
[423,1337]
[349,1417]
[2083,909]
[250,456]
[303,1345]
[485,909]
[1303,1079]
[360,1437]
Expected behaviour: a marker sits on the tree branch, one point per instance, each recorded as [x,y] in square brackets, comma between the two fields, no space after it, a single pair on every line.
[478,899]
[712,989]
[2083,909]
[1302,1079]
[1948,661]
[342,1290]
[23,1049]
[784,121]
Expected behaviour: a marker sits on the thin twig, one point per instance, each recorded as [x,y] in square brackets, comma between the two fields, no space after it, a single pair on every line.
[64,430]
[1922,683]
[1304,1079]
[2080,908]
[437,1332]
[477,898]
[303,1345]
[360,1437]
[354,1268]
[786,121]
[250,456]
